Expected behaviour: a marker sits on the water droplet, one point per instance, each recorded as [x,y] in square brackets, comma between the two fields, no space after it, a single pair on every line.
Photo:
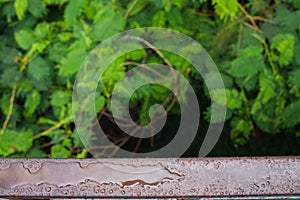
[123,192]
[291,190]
[65,192]
[256,187]
[48,189]
[206,162]
[263,185]
[97,189]
[206,189]
[192,190]
[111,191]
[139,193]
[83,188]
[102,190]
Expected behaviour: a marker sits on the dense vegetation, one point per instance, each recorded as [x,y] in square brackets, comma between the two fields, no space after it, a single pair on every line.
[255,44]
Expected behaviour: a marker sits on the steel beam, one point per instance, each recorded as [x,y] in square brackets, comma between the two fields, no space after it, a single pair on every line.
[155,178]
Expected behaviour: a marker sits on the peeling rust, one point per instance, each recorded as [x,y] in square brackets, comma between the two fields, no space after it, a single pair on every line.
[141,178]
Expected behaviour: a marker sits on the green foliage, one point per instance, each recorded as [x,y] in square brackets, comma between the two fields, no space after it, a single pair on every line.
[15,141]
[21,7]
[254,43]
[265,71]
[226,9]
[291,115]
[250,62]
[284,44]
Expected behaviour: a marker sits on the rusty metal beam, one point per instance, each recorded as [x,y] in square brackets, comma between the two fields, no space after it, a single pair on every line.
[144,178]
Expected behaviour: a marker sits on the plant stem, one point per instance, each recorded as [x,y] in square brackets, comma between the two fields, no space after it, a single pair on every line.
[10,109]
[56,126]
[130,9]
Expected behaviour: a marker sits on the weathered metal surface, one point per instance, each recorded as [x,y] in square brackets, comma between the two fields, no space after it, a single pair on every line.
[141,178]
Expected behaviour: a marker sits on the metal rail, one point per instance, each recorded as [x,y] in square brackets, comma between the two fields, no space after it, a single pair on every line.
[155,178]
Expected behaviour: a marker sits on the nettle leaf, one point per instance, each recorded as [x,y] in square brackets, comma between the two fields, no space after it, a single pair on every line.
[136,55]
[107,22]
[38,69]
[217,118]
[99,102]
[12,140]
[159,19]
[266,92]
[291,114]
[226,9]
[24,38]
[60,98]
[266,88]
[240,131]
[10,76]
[233,98]
[284,45]
[72,11]
[57,51]
[41,30]
[294,77]
[59,151]
[72,62]
[37,8]
[20,7]
[32,102]
[250,62]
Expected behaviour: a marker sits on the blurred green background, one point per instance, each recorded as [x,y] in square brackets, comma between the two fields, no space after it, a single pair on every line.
[255,44]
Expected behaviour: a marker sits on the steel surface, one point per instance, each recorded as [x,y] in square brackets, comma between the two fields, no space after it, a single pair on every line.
[155,178]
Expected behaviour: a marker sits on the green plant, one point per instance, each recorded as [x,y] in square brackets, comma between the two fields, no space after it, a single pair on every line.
[264,90]
[43,43]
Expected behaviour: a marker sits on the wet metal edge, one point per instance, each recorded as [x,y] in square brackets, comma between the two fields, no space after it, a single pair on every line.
[145,178]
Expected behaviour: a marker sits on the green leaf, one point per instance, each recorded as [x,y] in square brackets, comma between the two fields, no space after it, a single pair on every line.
[10,76]
[72,11]
[291,114]
[41,30]
[217,118]
[12,140]
[226,9]
[266,92]
[36,153]
[159,19]
[107,22]
[267,88]
[83,154]
[233,99]
[294,77]
[38,69]
[67,142]
[72,62]
[249,63]
[60,98]
[24,38]
[58,151]
[99,102]
[32,102]
[240,131]
[284,44]
[20,7]
[37,8]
